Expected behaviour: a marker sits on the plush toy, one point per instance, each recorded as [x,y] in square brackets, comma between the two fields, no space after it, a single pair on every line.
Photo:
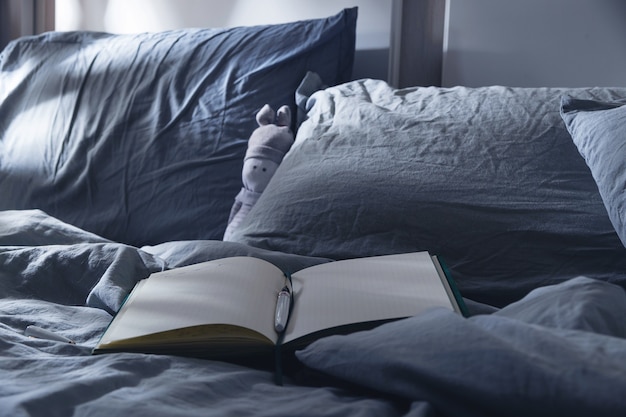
[267,146]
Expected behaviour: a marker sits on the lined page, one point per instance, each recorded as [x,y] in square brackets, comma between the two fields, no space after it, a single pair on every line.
[366,289]
[238,291]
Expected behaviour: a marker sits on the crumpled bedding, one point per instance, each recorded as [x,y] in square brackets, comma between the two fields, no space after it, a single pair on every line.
[558,351]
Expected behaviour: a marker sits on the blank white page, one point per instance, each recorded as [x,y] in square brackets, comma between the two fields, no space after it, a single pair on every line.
[239,291]
[365,289]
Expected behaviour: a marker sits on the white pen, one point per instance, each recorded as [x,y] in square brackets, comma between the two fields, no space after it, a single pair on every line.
[38,332]
[282,309]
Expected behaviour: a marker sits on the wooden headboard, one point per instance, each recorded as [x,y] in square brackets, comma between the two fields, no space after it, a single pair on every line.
[565,43]
[417,41]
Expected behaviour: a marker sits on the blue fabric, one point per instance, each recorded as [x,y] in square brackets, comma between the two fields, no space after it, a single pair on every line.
[558,351]
[599,131]
[486,178]
[140,138]
[70,282]
[541,357]
[44,258]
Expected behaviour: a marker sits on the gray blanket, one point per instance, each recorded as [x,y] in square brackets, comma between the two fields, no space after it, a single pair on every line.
[559,351]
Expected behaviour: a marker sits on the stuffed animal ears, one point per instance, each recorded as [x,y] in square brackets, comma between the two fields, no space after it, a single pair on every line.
[283,116]
[266,116]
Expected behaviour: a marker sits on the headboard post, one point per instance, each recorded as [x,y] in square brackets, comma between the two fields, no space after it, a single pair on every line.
[416,46]
[24,17]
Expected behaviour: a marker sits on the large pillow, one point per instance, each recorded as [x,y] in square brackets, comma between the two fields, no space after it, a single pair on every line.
[487,178]
[599,131]
[140,138]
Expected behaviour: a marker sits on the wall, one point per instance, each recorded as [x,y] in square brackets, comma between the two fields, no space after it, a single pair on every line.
[569,43]
[131,16]
[24,17]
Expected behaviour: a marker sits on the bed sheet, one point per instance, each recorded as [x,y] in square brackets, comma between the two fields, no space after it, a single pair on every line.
[558,350]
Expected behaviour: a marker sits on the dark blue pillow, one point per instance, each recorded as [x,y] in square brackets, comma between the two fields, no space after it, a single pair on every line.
[140,138]
[598,128]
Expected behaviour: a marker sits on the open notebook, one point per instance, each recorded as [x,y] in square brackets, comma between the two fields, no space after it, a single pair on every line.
[227,307]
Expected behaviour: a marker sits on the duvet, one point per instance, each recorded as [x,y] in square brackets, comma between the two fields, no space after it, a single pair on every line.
[558,351]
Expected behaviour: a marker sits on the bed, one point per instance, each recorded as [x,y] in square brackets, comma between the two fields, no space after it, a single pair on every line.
[121,155]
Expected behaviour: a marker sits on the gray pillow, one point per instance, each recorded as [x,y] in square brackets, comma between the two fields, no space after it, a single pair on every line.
[487,178]
[599,131]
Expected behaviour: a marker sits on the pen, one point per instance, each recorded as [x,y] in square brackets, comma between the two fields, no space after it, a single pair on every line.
[282,309]
[38,332]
